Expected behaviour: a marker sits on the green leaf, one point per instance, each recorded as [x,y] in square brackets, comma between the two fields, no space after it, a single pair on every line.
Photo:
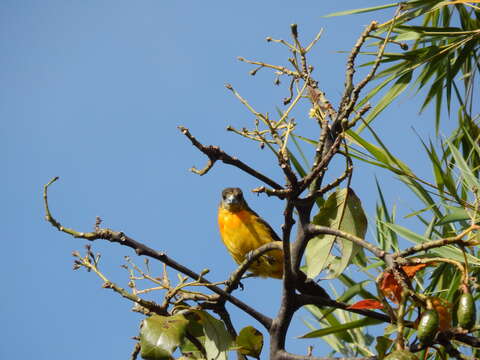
[387,239]
[447,251]
[397,88]
[296,164]
[190,350]
[455,214]
[336,343]
[383,344]
[421,193]
[354,285]
[381,153]
[341,328]
[352,290]
[325,315]
[217,339]
[300,151]
[466,172]
[161,335]
[307,140]
[363,10]
[250,342]
[342,210]
[407,35]
[194,329]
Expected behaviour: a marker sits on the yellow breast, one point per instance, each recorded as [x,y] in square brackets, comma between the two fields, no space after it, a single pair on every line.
[242,232]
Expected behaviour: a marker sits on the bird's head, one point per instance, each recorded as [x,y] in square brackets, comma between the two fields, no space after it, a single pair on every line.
[232,199]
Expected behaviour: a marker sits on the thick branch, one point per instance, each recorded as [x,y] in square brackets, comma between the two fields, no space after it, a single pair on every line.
[288,278]
[281,323]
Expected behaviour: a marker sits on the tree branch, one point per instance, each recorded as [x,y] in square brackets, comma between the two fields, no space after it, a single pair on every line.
[437,243]
[236,276]
[214,153]
[314,230]
[284,355]
[142,249]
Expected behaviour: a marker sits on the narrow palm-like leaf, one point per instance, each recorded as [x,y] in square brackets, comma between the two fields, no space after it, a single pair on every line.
[448,251]
[341,328]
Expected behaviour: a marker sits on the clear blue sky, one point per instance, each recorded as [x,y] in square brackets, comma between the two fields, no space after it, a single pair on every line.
[92,91]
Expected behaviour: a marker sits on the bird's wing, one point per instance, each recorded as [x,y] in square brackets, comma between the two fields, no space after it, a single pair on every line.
[270,230]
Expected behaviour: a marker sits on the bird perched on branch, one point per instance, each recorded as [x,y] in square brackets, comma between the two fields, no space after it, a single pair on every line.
[243,231]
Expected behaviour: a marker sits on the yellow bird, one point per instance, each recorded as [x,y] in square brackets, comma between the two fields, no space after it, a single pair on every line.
[243,231]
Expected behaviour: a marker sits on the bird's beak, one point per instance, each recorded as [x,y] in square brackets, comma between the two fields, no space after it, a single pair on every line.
[231,199]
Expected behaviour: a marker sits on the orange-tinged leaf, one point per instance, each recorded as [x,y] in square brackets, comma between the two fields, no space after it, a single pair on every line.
[366,304]
[389,285]
[444,311]
[411,270]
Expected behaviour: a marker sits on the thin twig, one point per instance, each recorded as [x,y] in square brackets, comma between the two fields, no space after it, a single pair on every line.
[214,153]
[315,230]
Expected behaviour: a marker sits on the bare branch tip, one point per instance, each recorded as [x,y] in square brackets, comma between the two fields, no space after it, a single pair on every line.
[182,129]
[294,28]
[50,182]
[259,189]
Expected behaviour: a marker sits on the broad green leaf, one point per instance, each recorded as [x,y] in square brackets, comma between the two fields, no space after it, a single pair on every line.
[217,339]
[194,329]
[190,350]
[341,328]
[447,251]
[354,222]
[250,342]
[342,210]
[161,335]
